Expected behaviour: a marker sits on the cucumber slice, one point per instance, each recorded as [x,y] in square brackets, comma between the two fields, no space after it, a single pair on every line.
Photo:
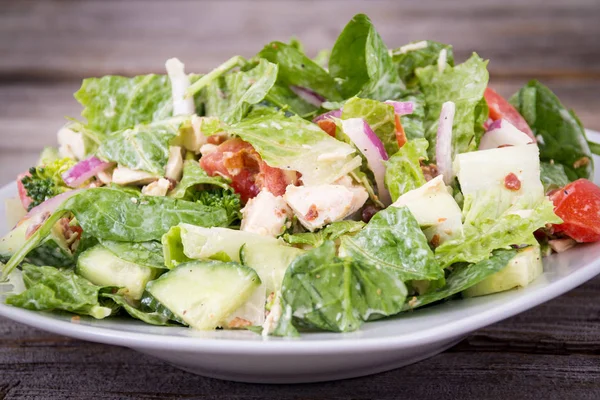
[149,303]
[102,267]
[523,269]
[204,293]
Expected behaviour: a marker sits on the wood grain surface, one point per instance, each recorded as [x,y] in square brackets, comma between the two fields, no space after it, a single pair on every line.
[46,47]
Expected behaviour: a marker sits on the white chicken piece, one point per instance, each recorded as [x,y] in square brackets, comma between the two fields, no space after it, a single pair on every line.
[174,168]
[207,149]
[126,176]
[316,206]
[266,215]
[157,188]
[180,82]
[105,176]
[192,138]
[70,143]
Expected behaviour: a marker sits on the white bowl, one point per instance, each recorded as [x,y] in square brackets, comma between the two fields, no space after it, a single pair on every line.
[378,346]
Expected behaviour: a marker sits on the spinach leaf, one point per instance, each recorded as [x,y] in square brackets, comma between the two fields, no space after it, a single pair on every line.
[418,55]
[152,318]
[553,176]
[143,147]
[114,103]
[403,170]
[50,288]
[361,63]
[380,117]
[230,97]
[463,277]
[330,232]
[393,241]
[323,291]
[464,85]
[295,68]
[149,254]
[562,136]
[194,175]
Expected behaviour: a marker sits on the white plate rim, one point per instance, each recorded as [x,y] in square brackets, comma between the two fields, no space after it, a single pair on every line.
[296,346]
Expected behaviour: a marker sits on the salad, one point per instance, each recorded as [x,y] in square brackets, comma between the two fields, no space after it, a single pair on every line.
[283,194]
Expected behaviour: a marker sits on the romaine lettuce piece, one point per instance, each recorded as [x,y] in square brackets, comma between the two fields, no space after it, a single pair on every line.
[380,117]
[419,54]
[194,175]
[403,170]
[464,85]
[360,61]
[330,232]
[393,240]
[561,136]
[321,290]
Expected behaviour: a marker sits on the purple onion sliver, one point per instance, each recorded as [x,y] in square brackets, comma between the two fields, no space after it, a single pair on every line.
[308,95]
[497,124]
[328,114]
[51,204]
[377,143]
[84,170]
[402,107]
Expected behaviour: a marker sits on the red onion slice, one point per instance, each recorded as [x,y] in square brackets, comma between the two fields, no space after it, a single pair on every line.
[328,115]
[84,170]
[372,148]
[308,95]
[503,133]
[443,145]
[50,205]
[402,107]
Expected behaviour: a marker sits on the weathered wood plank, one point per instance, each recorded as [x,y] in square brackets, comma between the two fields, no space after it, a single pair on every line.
[31,114]
[552,351]
[63,39]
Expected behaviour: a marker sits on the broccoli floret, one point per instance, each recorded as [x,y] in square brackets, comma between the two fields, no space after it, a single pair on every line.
[227,199]
[45,181]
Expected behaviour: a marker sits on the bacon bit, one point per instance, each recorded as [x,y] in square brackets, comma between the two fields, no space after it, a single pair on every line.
[216,139]
[39,220]
[328,126]
[172,183]
[440,220]
[312,213]
[560,245]
[511,182]
[582,162]
[412,302]
[238,322]
[435,240]
[429,171]
[400,135]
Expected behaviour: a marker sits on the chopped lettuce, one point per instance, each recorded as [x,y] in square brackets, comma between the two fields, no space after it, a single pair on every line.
[403,170]
[330,232]
[553,176]
[464,85]
[194,175]
[419,54]
[393,240]
[380,117]
[143,147]
[360,61]
[561,136]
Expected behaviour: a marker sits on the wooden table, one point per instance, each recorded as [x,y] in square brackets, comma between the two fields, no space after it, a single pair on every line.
[46,47]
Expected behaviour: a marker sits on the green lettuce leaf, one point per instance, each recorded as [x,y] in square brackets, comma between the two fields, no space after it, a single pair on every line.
[143,147]
[393,241]
[463,277]
[486,230]
[295,68]
[330,232]
[360,61]
[323,291]
[292,143]
[194,175]
[380,117]
[231,96]
[553,176]
[563,138]
[403,170]
[50,288]
[407,60]
[148,254]
[464,85]
[113,103]
[282,97]
[152,318]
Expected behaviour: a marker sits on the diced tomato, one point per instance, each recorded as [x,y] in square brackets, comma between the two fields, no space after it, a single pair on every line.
[400,134]
[500,108]
[249,174]
[25,200]
[328,126]
[578,205]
